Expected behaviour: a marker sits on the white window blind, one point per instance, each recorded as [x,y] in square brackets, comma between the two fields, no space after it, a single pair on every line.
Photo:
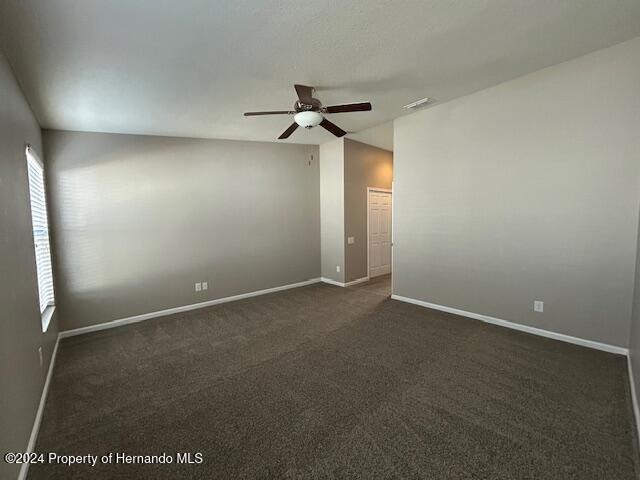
[40,231]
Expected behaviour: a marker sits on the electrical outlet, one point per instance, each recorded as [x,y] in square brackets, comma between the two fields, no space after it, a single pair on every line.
[538,306]
[40,354]
[338,268]
[198,287]
[351,240]
[205,285]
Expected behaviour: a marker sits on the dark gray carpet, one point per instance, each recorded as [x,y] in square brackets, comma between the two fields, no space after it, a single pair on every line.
[328,382]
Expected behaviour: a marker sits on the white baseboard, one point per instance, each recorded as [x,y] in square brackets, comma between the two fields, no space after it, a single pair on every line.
[332,282]
[342,284]
[186,308]
[24,469]
[634,397]
[356,282]
[516,326]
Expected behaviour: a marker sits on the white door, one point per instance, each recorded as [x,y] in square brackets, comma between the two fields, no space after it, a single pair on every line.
[379,233]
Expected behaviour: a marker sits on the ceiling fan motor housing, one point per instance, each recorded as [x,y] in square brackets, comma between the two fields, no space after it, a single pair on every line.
[301,107]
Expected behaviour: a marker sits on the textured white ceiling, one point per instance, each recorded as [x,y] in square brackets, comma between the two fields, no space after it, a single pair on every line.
[192,67]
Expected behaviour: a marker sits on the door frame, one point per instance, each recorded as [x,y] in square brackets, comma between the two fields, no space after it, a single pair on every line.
[383,190]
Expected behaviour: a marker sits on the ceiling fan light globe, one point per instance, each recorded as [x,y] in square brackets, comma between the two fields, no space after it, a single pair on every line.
[308,119]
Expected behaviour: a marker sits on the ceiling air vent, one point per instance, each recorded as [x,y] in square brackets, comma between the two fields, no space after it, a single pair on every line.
[418,104]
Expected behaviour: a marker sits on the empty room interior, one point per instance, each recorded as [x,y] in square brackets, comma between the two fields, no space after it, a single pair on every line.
[354,239]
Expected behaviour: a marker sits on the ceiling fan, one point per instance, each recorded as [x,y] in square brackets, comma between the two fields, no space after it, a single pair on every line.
[308,112]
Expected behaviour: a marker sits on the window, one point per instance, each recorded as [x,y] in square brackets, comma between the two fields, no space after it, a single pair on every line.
[40,236]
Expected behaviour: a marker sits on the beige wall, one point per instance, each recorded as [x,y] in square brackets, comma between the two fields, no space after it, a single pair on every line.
[21,375]
[364,166]
[527,191]
[332,208]
[138,220]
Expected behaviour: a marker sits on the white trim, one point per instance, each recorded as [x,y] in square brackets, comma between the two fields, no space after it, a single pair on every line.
[634,396]
[332,282]
[342,284]
[356,282]
[24,469]
[393,216]
[185,308]
[516,326]
[384,190]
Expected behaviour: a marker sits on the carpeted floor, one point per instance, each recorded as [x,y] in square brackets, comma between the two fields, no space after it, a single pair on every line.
[328,382]
[380,285]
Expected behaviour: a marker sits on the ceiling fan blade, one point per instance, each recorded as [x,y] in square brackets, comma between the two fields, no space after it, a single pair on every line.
[332,127]
[305,94]
[349,107]
[277,112]
[288,131]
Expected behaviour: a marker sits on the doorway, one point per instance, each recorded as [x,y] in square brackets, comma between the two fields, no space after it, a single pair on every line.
[379,208]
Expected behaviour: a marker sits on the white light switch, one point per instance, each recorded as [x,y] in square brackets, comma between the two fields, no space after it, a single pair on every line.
[205,285]
[198,287]
[351,240]
[538,306]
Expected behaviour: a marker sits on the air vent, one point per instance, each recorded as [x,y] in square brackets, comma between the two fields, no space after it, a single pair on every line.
[423,102]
